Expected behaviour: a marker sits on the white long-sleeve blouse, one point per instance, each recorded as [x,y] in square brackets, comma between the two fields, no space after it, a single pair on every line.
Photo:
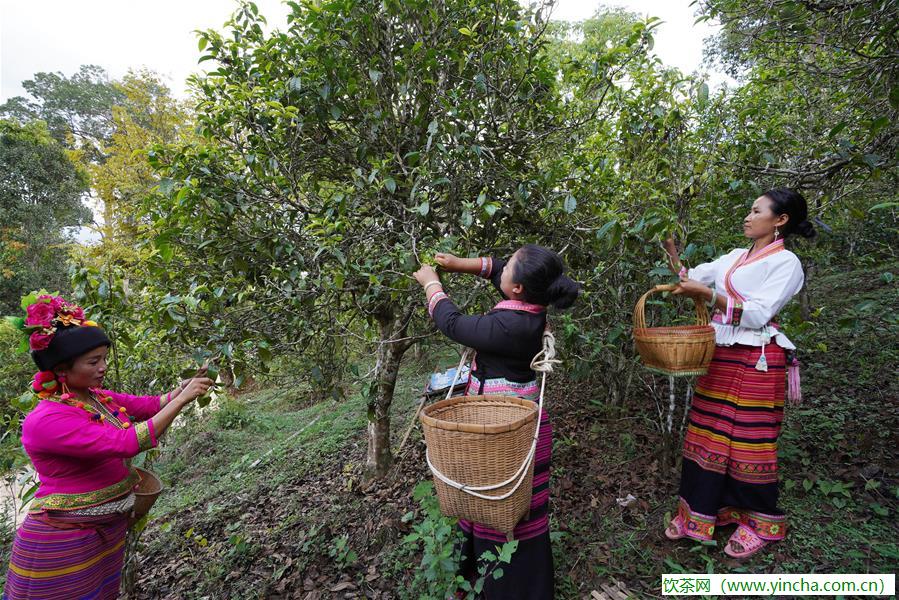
[756,289]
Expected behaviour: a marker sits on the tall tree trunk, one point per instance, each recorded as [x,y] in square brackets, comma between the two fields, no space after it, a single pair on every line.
[391,348]
[805,302]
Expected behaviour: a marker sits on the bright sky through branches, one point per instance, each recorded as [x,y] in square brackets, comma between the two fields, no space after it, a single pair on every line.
[61,35]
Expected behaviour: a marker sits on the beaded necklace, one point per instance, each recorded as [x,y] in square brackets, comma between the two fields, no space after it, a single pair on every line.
[102,410]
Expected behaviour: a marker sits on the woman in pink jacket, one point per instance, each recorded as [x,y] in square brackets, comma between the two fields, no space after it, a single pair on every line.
[79,438]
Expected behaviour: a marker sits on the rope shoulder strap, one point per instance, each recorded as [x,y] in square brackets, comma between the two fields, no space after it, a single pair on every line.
[542,363]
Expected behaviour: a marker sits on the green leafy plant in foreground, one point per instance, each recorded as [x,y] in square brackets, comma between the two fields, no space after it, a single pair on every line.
[440,541]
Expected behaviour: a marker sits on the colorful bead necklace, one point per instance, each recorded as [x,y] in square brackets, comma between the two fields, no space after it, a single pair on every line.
[103,410]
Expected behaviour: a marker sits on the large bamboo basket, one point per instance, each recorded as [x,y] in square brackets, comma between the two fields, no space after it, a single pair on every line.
[680,351]
[146,493]
[481,441]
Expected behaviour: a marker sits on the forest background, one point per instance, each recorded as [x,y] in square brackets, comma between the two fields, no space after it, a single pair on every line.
[269,223]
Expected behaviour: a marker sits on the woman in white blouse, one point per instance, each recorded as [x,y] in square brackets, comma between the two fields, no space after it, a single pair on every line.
[729,471]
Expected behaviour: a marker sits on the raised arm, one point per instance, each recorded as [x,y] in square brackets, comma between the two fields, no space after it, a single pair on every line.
[674,262]
[195,388]
[704,273]
[65,432]
[480,266]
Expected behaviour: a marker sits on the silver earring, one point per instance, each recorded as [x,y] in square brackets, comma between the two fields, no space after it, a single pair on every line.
[776,234]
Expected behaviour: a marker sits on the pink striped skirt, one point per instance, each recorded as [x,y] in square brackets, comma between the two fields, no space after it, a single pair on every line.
[67,557]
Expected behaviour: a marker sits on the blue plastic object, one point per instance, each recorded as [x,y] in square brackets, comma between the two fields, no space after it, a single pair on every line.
[440,382]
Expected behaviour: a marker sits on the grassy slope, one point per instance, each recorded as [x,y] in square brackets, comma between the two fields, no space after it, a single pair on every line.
[241,530]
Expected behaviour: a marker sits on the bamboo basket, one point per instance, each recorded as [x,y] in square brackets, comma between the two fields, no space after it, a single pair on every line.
[482,441]
[680,351]
[146,493]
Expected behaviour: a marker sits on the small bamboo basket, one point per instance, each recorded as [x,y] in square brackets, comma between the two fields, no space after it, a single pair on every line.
[680,351]
[146,493]
[483,441]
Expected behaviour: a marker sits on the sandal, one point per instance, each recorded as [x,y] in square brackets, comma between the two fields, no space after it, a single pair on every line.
[747,539]
[675,529]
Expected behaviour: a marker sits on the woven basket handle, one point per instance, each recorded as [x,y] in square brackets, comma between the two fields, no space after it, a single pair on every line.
[702,313]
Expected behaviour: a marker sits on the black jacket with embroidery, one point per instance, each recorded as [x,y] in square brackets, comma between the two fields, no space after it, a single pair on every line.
[505,340]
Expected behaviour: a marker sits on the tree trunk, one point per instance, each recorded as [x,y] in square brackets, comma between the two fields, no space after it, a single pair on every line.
[805,302]
[379,457]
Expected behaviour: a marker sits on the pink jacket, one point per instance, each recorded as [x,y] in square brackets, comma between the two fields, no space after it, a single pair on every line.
[80,461]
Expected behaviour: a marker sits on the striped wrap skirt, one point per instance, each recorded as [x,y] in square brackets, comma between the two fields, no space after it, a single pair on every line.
[729,474]
[56,557]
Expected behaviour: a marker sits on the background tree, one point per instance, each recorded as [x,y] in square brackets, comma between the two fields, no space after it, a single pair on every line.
[638,167]
[832,71]
[40,201]
[145,115]
[338,154]
[77,109]
[111,276]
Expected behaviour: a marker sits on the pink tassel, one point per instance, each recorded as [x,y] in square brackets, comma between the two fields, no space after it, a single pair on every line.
[794,391]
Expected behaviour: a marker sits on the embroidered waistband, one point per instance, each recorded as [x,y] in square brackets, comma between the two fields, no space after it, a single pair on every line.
[83,500]
[528,390]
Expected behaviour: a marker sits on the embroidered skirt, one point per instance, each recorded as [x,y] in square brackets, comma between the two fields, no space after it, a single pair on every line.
[530,574]
[729,470]
[67,558]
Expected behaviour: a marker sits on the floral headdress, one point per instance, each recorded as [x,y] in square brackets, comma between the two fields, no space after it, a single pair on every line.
[55,330]
[45,315]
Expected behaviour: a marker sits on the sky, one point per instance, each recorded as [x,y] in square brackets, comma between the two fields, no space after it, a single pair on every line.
[61,35]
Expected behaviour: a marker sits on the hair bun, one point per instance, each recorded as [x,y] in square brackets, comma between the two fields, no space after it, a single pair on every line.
[563,291]
[806,229]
